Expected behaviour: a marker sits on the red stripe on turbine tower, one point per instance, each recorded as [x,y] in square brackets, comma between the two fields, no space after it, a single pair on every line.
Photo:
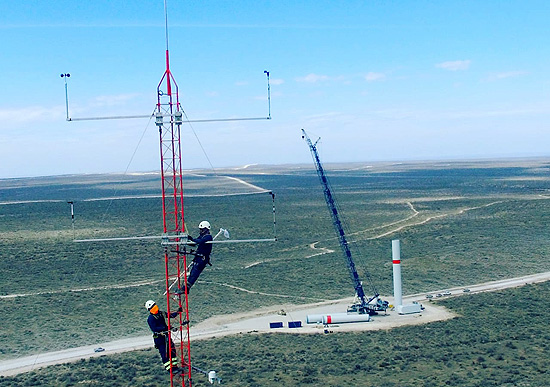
[396,259]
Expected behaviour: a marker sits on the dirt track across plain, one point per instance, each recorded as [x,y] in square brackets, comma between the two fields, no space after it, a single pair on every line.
[257,321]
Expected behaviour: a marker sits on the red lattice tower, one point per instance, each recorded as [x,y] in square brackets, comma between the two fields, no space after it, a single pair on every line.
[169,118]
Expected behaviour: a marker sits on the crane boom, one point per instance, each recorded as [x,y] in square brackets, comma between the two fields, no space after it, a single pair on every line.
[364,304]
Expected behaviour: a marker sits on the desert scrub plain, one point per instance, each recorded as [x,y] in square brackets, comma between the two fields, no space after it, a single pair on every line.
[459,224]
[497,339]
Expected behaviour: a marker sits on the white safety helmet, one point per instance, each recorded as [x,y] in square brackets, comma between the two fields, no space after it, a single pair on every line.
[149,304]
[204,224]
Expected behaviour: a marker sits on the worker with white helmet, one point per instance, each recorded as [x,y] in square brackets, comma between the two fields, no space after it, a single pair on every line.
[161,335]
[202,254]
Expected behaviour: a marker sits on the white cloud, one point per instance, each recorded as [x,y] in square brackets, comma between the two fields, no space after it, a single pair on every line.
[277,81]
[371,76]
[113,100]
[508,74]
[9,117]
[454,65]
[313,78]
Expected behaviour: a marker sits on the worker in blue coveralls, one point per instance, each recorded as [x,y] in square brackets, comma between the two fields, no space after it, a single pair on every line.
[161,336]
[202,254]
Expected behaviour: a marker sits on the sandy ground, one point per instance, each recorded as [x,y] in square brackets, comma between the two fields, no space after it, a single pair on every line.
[257,321]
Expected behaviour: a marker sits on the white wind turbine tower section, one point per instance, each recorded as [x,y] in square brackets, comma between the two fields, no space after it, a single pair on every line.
[397,285]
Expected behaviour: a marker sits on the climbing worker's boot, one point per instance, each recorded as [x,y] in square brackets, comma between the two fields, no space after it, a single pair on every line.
[179,291]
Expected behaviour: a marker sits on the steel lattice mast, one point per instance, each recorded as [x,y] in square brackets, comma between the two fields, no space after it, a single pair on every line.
[168,118]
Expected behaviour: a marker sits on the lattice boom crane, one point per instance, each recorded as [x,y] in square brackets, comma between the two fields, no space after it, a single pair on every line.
[365,304]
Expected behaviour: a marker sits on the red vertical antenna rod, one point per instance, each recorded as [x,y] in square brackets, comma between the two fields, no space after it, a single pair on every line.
[168,85]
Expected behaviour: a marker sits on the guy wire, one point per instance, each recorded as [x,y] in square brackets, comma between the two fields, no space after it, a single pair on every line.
[216,174]
[116,188]
[200,144]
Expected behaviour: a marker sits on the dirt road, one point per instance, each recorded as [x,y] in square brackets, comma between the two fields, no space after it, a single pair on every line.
[258,321]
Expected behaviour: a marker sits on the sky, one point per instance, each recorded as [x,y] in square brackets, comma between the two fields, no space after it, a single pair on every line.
[375,80]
